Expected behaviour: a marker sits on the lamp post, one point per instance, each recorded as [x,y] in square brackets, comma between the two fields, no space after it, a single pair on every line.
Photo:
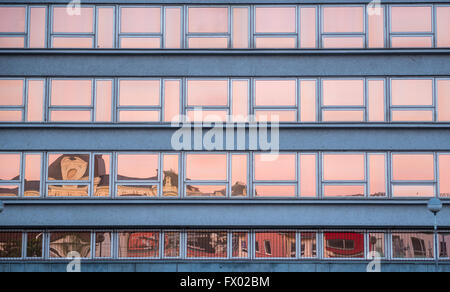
[435,206]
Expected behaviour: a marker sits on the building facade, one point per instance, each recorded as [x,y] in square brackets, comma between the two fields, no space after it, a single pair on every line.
[224,135]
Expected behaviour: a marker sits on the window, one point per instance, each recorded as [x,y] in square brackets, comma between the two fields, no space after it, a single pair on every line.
[275,27]
[137,175]
[377,244]
[444,244]
[139,100]
[276,100]
[412,100]
[444,175]
[443,100]
[412,245]
[413,175]
[10,174]
[207,100]
[277,244]
[240,244]
[103,244]
[138,244]
[172,244]
[73,31]
[344,175]
[12,100]
[206,244]
[64,244]
[13,21]
[411,26]
[10,245]
[208,27]
[308,244]
[206,175]
[35,242]
[308,27]
[442,25]
[344,245]
[140,27]
[343,27]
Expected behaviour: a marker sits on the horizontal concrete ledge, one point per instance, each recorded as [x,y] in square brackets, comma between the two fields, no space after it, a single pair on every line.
[202,215]
[160,139]
[219,65]
[233,267]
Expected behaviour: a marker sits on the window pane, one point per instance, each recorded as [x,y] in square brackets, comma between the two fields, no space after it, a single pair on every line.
[444,244]
[12,172]
[103,244]
[35,100]
[343,92]
[308,100]
[344,191]
[207,115]
[38,24]
[71,93]
[239,175]
[443,92]
[11,92]
[172,100]
[376,101]
[275,19]
[10,244]
[275,167]
[377,244]
[206,190]
[103,98]
[139,92]
[137,166]
[12,19]
[137,191]
[173,28]
[412,245]
[63,243]
[140,19]
[105,26]
[9,190]
[68,191]
[343,245]
[412,42]
[275,244]
[377,172]
[65,23]
[275,42]
[138,244]
[240,98]
[68,167]
[411,19]
[442,25]
[206,244]
[345,167]
[413,167]
[308,245]
[207,92]
[11,116]
[240,28]
[171,244]
[208,43]
[32,175]
[140,43]
[102,172]
[274,116]
[34,244]
[412,92]
[170,171]
[206,167]
[444,175]
[376,28]
[415,191]
[275,92]
[275,191]
[239,244]
[308,27]
[70,116]
[343,19]
[208,19]
[139,116]
[308,175]
[73,42]
[356,42]
[343,116]
[412,116]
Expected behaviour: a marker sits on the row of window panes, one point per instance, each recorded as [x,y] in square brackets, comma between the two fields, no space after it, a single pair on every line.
[225,175]
[222,27]
[222,244]
[125,100]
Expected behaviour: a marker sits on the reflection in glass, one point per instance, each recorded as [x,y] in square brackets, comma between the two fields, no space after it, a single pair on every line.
[410,167]
[239,241]
[344,191]
[206,244]
[140,42]
[308,175]
[417,191]
[37,27]
[137,191]
[412,116]
[444,245]
[103,96]
[343,116]
[70,116]
[140,20]
[274,244]
[68,191]
[308,27]
[343,92]
[207,92]
[412,42]
[32,175]
[11,92]
[442,25]
[411,19]
[356,42]
[376,101]
[171,244]
[10,244]
[78,23]
[239,175]
[343,19]
[68,167]
[9,190]
[12,42]
[73,42]
[308,245]
[172,100]
[275,191]
[275,92]
[71,93]
[275,167]
[444,175]
[207,42]
[377,175]
[275,42]
[105,27]
[35,108]
[138,116]
[308,101]
[240,31]
[208,19]
[412,245]
[443,93]
[172,37]
[345,167]
[377,243]
[63,243]
[102,172]
[170,172]
[193,190]
[282,116]
[139,92]
[11,116]
[12,19]
[12,172]
[412,92]
[103,245]
[138,244]
[376,28]
[275,19]
[240,98]
[203,167]
[343,245]
[34,244]
[137,167]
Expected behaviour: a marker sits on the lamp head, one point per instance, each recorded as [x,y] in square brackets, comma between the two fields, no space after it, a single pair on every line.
[434,205]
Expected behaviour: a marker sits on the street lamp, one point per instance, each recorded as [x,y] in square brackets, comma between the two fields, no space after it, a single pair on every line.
[435,206]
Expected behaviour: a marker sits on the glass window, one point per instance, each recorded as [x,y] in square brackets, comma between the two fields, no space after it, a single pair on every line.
[344,167]
[172,91]
[170,172]
[275,244]
[442,25]
[71,93]
[103,97]
[139,92]
[444,175]
[12,19]
[343,92]
[308,245]
[137,190]
[206,244]
[412,115]
[376,101]
[35,100]
[408,167]
[196,190]
[34,244]
[344,245]
[207,92]
[275,116]
[342,42]
[377,244]
[308,27]
[70,116]
[208,42]
[140,42]
[240,27]
[65,23]
[416,191]
[275,93]
[102,173]
[411,19]
[62,244]
[208,20]
[308,100]
[32,183]
[277,190]
[275,19]
[275,42]
[11,116]
[138,244]
[239,175]
[10,244]
[11,92]
[376,27]
[344,191]
[412,245]
[240,100]
[443,92]
[139,116]
[68,190]
[12,42]
[284,164]
[377,175]
[103,244]
[173,28]
[308,175]
[444,245]
[239,244]
[343,19]
[105,27]
[412,92]
[68,167]
[12,172]
[135,167]
[206,167]
[411,42]
[172,244]
[140,20]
